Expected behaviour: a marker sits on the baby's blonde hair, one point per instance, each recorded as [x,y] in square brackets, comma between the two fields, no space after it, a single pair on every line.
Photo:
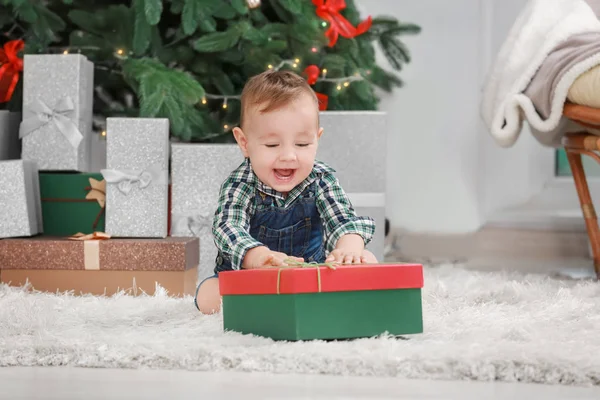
[272,90]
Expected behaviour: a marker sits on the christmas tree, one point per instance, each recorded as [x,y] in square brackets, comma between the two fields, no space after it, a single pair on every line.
[188,60]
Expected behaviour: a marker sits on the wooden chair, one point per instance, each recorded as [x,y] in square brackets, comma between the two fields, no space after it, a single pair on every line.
[577,144]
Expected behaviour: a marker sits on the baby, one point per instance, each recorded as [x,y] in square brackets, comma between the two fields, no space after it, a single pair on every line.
[280,204]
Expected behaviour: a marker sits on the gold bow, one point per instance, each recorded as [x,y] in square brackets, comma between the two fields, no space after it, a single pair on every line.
[91,236]
[97,191]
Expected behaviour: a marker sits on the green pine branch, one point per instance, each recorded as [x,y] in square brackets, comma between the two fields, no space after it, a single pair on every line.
[160,58]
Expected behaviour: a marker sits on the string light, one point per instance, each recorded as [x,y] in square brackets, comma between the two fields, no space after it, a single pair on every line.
[340,82]
[103,133]
[66,52]
[314,49]
[226,127]
[120,52]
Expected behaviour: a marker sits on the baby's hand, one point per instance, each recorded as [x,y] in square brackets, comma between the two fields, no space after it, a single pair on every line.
[344,256]
[263,257]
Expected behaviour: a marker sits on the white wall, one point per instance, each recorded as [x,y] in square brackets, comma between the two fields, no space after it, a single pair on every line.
[445,174]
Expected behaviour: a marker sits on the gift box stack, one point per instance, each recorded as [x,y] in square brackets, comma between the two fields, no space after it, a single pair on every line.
[69,228]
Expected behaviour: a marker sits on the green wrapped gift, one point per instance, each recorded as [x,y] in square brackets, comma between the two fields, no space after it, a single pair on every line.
[315,302]
[72,203]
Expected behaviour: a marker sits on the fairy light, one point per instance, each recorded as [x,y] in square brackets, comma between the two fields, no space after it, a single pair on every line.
[103,133]
[324,24]
[340,83]
[226,127]
[66,52]
[120,52]
[314,49]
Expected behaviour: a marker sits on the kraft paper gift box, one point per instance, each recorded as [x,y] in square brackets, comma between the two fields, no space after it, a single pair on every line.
[309,303]
[137,177]
[10,144]
[354,143]
[101,266]
[197,172]
[56,130]
[72,202]
[19,199]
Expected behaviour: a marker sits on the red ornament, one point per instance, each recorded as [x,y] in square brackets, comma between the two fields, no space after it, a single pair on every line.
[312,74]
[329,10]
[323,101]
[10,66]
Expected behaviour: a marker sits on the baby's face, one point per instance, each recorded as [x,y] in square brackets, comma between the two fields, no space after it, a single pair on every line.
[282,144]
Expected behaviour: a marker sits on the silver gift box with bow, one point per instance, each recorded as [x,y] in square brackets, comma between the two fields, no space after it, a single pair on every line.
[354,143]
[137,177]
[197,172]
[58,92]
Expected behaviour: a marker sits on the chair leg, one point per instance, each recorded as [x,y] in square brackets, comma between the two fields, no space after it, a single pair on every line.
[591,220]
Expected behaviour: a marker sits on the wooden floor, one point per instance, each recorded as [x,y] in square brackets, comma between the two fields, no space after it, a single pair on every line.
[91,384]
[554,252]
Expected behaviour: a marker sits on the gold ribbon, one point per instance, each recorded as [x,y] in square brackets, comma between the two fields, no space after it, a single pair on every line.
[91,248]
[291,263]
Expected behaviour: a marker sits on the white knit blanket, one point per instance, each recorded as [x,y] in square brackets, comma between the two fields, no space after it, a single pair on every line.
[540,27]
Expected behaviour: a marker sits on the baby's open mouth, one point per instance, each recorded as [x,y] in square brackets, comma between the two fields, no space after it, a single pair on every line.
[284,174]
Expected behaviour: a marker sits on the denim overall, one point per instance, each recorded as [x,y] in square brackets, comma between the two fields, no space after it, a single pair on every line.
[296,231]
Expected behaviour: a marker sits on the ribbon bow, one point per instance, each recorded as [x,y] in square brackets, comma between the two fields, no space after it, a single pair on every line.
[97,191]
[10,66]
[198,224]
[91,236]
[126,179]
[329,10]
[60,116]
[194,223]
[291,263]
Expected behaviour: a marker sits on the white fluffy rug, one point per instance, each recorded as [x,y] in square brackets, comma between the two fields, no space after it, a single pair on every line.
[479,326]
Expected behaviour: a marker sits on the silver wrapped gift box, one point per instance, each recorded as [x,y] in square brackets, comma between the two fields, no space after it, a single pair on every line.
[56,129]
[19,199]
[137,177]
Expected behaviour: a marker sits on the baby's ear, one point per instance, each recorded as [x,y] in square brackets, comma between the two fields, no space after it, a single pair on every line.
[319,133]
[241,140]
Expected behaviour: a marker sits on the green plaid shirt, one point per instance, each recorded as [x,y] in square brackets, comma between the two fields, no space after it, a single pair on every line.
[231,222]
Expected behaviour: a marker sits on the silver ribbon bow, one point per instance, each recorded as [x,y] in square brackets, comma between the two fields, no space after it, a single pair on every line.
[126,179]
[60,116]
[195,223]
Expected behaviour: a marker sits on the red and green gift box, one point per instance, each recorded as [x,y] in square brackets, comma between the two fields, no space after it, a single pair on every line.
[306,303]
[72,203]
